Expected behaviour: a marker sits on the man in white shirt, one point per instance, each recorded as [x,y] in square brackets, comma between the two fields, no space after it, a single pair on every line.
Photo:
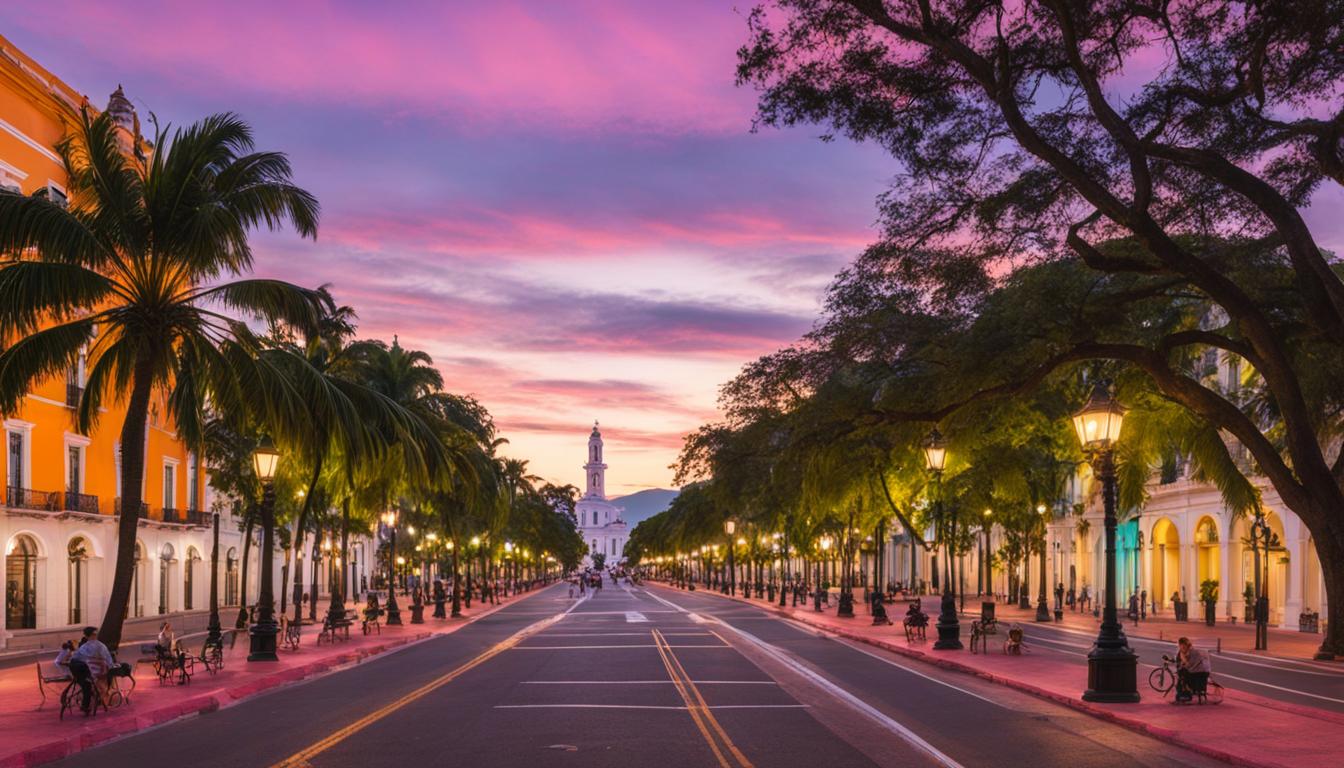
[89,665]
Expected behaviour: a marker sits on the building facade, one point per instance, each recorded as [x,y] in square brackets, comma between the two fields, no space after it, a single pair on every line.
[600,521]
[58,519]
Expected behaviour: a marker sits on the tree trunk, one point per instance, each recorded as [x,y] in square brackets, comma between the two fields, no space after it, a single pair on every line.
[1331,556]
[247,551]
[132,476]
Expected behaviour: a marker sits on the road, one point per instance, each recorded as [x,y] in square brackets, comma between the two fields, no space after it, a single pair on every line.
[638,677]
[1304,682]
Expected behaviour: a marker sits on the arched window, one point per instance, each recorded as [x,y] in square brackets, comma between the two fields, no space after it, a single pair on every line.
[231,577]
[165,560]
[21,584]
[78,554]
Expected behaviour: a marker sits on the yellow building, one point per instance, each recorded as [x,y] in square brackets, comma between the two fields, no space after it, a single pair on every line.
[62,487]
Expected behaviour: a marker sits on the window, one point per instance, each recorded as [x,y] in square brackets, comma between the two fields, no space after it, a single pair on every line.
[231,577]
[193,483]
[75,466]
[16,455]
[21,584]
[169,486]
[78,552]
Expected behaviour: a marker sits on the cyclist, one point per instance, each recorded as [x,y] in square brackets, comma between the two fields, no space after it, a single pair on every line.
[1192,670]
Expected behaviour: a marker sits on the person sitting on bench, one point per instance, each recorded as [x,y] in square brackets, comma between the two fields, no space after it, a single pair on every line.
[1192,670]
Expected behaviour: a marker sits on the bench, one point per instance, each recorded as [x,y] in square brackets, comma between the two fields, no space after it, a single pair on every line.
[168,664]
[290,633]
[336,628]
[50,679]
[915,623]
[371,622]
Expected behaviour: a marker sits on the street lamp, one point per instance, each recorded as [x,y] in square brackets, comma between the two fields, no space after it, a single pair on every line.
[729,528]
[949,627]
[1260,536]
[825,544]
[1042,610]
[986,554]
[389,519]
[265,460]
[1112,668]
[214,639]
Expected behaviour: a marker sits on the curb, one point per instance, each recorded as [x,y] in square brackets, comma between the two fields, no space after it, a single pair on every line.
[1132,723]
[207,703]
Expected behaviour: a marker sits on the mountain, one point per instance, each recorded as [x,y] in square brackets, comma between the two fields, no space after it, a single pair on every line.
[642,505]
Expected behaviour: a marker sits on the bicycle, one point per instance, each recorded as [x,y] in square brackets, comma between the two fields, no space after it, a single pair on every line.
[1165,678]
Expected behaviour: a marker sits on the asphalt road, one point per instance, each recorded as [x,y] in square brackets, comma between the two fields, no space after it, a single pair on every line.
[638,677]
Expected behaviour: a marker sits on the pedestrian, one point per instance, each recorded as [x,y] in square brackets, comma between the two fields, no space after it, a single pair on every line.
[1192,668]
[89,666]
[1143,604]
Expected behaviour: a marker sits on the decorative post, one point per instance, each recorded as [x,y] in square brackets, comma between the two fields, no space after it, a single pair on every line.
[263,633]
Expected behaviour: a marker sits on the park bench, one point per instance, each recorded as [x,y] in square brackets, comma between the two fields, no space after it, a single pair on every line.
[168,664]
[50,679]
[336,627]
[371,621]
[983,627]
[290,633]
[915,623]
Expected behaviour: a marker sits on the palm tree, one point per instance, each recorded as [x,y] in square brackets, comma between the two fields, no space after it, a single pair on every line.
[132,269]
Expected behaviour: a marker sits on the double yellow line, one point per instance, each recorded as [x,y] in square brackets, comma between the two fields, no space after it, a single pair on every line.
[300,759]
[719,743]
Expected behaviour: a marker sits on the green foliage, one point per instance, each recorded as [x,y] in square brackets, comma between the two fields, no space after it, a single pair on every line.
[1208,591]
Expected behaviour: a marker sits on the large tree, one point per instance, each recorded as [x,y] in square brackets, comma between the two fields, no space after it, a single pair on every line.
[1044,129]
[133,268]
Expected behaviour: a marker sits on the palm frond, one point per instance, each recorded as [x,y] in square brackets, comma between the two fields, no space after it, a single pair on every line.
[48,352]
[33,292]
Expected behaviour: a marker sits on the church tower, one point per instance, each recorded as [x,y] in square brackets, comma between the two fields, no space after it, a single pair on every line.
[595,470]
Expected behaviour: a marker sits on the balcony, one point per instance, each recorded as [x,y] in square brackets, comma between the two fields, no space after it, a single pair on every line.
[116,508]
[72,394]
[80,502]
[27,498]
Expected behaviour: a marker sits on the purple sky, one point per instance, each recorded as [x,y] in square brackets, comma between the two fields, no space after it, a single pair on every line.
[561,201]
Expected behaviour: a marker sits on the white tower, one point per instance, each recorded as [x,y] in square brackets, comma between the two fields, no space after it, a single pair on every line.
[595,470]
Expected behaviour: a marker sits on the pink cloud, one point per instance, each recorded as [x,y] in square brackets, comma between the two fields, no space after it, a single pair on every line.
[578,64]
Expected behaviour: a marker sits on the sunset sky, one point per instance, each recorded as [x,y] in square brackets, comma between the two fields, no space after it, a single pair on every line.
[562,202]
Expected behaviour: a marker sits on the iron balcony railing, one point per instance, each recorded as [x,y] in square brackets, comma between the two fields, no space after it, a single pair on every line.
[80,502]
[144,508]
[27,498]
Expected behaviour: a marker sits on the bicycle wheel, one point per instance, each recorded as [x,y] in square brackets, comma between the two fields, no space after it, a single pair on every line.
[1162,680]
[1213,693]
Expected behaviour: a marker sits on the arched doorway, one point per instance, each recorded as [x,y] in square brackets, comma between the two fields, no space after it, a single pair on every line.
[77,556]
[1274,564]
[231,577]
[1166,563]
[21,583]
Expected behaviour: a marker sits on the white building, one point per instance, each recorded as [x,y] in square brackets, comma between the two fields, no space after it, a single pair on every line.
[600,521]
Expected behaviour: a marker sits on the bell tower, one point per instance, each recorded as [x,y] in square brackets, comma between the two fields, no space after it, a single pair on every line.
[595,470]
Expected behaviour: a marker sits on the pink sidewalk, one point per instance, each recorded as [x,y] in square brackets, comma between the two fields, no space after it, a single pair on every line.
[1283,643]
[1234,731]
[33,736]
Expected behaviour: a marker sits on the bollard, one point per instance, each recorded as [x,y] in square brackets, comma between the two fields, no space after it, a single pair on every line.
[1159,635]
[1220,645]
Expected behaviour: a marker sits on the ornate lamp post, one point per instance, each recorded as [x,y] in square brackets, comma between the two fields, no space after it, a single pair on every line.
[1112,668]
[214,638]
[729,528]
[1042,610]
[949,627]
[1260,536]
[825,544]
[262,635]
[389,519]
[986,554]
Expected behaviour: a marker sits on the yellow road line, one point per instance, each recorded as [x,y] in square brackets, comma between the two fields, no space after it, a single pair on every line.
[700,712]
[300,759]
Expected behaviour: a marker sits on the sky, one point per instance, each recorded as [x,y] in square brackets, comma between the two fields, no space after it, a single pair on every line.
[562,202]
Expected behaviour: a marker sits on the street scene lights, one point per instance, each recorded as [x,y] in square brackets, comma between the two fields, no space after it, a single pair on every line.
[265,460]
[389,519]
[1042,610]
[949,627]
[1260,542]
[729,528]
[825,544]
[1112,668]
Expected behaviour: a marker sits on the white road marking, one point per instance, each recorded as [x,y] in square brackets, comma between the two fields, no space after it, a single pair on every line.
[647,682]
[909,736]
[582,647]
[647,706]
[635,617]
[1293,691]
